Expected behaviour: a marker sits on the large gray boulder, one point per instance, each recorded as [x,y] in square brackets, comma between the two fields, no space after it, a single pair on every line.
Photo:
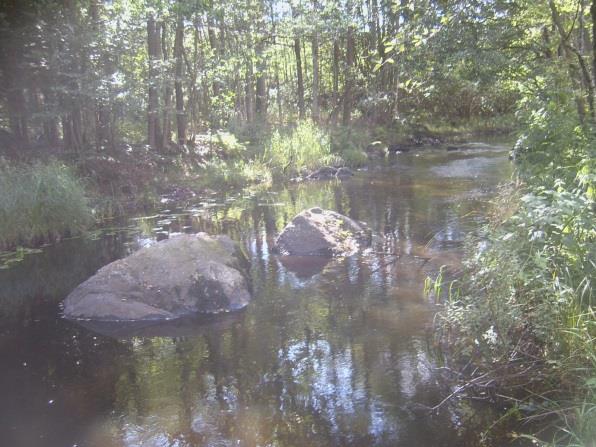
[318,232]
[184,275]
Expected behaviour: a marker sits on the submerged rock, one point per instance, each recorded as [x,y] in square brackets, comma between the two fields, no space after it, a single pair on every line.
[304,267]
[324,173]
[344,172]
[318,232]
[329,172]
[398,148]
[184,275]
[188,326]
[376,149]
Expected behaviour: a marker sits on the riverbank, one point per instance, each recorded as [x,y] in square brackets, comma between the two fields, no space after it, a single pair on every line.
[519,328]
[137,178]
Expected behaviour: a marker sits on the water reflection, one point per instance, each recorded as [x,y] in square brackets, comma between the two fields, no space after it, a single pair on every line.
[326,354]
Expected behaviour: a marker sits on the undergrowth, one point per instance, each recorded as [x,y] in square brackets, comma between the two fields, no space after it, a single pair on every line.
[40,203]
[305,147]
[525,316]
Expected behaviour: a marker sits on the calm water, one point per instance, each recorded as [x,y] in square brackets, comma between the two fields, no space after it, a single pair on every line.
[326,354]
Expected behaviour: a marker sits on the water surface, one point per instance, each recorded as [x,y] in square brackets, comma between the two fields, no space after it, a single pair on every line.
[326,354]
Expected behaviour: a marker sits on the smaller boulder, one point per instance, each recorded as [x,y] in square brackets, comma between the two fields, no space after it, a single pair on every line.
[344,172]
[318,232]
[376,149]
[329,173]
[324,173]
[395,148]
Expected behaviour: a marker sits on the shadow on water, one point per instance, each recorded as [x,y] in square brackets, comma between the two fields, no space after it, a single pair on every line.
[328,353]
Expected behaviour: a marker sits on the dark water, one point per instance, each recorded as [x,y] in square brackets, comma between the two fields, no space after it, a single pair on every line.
[326,354]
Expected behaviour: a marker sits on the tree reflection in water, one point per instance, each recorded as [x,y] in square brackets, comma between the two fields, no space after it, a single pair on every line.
[328,353]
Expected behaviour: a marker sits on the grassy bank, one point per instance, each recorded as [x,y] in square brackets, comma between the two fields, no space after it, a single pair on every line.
[40,203]
[520,326]
[44,201]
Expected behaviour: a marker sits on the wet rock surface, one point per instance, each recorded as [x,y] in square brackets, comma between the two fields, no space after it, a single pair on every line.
[184,275]
[318,232]
[329,172]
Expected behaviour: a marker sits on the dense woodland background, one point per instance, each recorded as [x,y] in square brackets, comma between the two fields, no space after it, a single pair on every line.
[91,75]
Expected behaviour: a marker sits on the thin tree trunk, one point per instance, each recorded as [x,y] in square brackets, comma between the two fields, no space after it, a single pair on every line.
[593,14]
[278,96]
[277,83]
[299,78]
[178,54]
[104,136]
[153,48]
[261,92]
[315,66]
[249,90]
[17,113]
[347,109]
[576,77]
[167,95]
[336,56]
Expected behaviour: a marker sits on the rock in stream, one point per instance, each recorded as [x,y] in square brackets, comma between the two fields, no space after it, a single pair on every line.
[318,232]
[184,275]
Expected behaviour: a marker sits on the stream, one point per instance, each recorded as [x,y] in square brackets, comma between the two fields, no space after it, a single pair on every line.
[331,353]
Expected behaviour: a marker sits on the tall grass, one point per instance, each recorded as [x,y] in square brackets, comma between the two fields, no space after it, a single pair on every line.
[306,147]
[39,203]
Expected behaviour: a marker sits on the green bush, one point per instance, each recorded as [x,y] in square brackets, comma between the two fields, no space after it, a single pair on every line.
[40,203]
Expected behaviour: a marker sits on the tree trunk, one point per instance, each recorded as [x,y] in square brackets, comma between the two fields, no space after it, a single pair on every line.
[280,117]
[261,93]
[315,66]
[593,14]
[576,77]
[249,85]
[179,54]
[103,132]
[12,71]
[215,47]
[153,48]
[299,77]
[18,119]
[336,56]
[347,109]
[167,91]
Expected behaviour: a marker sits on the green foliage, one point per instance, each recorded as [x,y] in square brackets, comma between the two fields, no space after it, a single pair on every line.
[305,147]
[237,173]
[529,294]
[226,145]
[40,203]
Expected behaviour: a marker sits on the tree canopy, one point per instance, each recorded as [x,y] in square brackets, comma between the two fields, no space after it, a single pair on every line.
[90,75]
